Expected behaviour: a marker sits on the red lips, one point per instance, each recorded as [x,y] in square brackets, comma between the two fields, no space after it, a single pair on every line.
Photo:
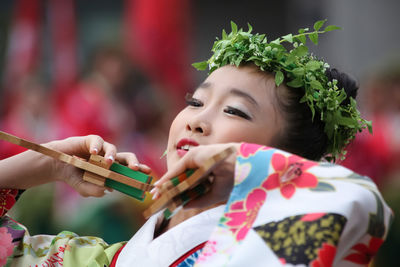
[185,142]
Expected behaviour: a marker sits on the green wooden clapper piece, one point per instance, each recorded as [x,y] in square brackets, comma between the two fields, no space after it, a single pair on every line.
[126,189]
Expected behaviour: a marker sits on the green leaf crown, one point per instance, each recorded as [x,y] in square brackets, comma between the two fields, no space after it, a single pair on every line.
[300,70]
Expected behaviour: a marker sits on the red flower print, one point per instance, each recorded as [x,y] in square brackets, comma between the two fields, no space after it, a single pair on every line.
[7,199]
[247,150]
[241,220]
[326,255]
[364,253]
[290,172]
[312,216]
[6,245]
[282,260]
[237,205]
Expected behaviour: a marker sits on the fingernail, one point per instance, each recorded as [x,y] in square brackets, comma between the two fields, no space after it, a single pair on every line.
[95,150]
[136,165]
[156,182]
[155,196]
[152,191]
[111,158]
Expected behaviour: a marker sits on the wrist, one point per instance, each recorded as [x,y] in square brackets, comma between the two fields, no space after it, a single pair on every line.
[54,166]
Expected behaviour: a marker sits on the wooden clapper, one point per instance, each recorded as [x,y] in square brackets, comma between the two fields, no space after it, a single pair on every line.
[97,171]
[174,193]
[193,183]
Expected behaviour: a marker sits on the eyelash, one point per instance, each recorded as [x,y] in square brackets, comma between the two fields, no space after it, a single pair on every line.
[191,101]
[237,112]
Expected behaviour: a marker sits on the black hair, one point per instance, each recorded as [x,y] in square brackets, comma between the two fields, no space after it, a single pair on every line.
[301,135]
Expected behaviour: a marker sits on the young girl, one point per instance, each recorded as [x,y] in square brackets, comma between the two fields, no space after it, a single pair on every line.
[267,206]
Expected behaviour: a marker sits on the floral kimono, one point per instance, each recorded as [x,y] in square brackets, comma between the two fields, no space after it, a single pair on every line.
[284,210]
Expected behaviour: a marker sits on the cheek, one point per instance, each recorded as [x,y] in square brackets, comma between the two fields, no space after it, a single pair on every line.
[170,145]
[246,133]
[237,132]
[177,127]
[173,131]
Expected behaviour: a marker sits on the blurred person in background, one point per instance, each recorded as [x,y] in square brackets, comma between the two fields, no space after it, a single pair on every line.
[99,104]
[29,115]
[94,104]
[378,155]
[149,106]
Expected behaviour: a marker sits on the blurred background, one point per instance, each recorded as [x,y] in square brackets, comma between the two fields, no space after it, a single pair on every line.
[121,69]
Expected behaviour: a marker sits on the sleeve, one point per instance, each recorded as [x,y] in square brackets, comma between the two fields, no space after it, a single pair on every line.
[285,210]
[18,248]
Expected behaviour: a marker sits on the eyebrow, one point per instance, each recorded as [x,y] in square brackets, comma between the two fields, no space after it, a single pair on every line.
[204,85]
[233,91]
[242,93]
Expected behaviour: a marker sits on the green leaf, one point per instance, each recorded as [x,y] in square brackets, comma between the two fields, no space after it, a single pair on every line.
[290,60]
[303,99]
[238,60]
[234,27]
[276,41]
[200,65]
[250,28]
[298,71]
[331,28]
[212,69]
[296,83]
[279,78]
[302,39]
[313,65]
[319,24]
[369,125]
[229,53]
[346,122]
[316,85]
[314,37]
[300,51]
[224,35]
[288,37]
[303,30]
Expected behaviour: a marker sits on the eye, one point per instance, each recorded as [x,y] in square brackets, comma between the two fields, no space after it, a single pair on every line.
[191,101]
[237,112]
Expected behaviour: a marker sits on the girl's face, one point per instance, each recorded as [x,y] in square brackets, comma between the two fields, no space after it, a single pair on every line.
[231,105]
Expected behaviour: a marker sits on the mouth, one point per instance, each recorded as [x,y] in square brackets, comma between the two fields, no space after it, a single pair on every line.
[184,145]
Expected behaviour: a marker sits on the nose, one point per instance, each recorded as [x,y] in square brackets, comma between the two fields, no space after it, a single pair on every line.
[199,126]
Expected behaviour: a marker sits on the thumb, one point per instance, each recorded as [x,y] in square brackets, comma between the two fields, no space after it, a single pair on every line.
[87,189]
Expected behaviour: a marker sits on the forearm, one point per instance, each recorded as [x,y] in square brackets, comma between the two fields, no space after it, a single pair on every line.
[26,170]
[30,168]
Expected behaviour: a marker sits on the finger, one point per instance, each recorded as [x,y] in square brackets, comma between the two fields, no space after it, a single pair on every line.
[110,152]
[144,168]
[94,144]
[109,189]
[87,189]
[187,162]
[128,159]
